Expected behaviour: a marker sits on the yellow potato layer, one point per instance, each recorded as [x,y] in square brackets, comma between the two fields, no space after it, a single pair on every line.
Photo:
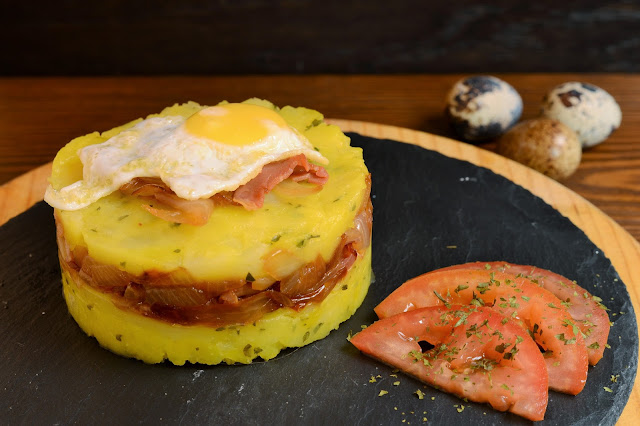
[116,230]
[152,341]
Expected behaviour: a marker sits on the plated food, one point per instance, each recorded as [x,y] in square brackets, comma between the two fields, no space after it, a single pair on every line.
[213,234]
[516,309]
[495,218]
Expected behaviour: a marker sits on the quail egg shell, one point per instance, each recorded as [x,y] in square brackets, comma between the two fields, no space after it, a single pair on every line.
[543,144]
[482,107]
[587,109]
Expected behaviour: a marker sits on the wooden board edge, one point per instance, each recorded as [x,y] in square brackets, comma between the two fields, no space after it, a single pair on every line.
[19,194]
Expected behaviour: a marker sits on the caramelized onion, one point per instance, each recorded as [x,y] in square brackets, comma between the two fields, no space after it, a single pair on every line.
[304,279]
[229,297]
[262,283]
[63,248]
[245,311]
[179,296]
[233,296]
[360,234]
[336,269]
[79,254]
[281,263]
[175,209]
[103,276]
[144,186]
[177,278]
[135,292]
[166,204]
[180,277]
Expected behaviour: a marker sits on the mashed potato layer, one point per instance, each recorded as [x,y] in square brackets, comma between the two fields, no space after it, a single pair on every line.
[289,231]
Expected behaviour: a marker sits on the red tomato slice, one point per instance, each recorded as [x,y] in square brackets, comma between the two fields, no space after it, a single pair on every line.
[535,308]
[587,311]
[478,354]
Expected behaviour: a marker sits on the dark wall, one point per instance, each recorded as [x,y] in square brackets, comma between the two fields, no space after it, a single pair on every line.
[114,37]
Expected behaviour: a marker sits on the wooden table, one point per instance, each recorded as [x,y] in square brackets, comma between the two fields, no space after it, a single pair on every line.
[38,116]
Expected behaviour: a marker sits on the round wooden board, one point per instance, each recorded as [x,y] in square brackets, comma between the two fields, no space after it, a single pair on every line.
[621,248]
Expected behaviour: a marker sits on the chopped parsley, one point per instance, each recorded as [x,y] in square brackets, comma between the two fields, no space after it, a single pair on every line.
[247,350]
[482,287]
[512,353]
[503,386]
[476,301]
[502,347]
[303,241]
[484,364]
[512,302]
[461,287]
[447,304]
[566,341]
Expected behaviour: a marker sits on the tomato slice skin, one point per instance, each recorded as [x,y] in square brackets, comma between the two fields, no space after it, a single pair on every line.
[535,308]
[471,357]
[587,311]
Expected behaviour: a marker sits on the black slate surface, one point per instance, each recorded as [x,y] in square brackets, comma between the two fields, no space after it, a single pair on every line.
[425,204]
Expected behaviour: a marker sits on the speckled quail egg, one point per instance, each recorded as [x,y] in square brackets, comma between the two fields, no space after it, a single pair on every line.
[543,144]
[588,110]
[482,107]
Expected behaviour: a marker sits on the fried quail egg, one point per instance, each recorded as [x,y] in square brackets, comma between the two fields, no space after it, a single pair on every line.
[482,107]
[217,149]
[588,110]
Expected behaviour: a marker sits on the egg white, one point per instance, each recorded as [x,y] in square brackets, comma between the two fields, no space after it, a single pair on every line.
[194,167]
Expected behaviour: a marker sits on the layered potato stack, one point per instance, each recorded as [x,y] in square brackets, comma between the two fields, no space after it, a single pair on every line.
[175,289]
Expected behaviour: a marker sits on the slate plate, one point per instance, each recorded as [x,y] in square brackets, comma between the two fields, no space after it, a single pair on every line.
[430,211]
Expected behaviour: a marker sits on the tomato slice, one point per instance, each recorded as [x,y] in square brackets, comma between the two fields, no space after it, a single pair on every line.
[535,308]
[586,310]
[478,354]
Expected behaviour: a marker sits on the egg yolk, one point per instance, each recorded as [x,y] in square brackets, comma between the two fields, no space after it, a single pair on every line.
[234,124]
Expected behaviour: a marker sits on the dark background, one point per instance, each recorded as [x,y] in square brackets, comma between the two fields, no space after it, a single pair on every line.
[118,37]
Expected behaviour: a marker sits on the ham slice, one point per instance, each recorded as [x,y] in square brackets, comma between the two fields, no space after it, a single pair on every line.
[168,206]
[251,195]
